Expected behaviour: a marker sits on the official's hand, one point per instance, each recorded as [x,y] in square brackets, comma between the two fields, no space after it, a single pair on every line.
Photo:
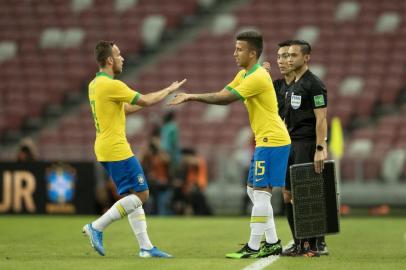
[178,99]
[175,85]
[319,158]
[267,66]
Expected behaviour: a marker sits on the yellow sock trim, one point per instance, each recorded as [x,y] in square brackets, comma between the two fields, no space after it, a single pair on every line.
[259,219]
[121,210]
[141,217]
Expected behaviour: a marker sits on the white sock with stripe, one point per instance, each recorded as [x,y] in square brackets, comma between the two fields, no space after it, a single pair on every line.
[121,208]
[139,225]
[270,230]
[259,218]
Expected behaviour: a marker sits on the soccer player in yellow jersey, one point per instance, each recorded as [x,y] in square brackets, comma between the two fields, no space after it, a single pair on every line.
[253,86]
[110,100]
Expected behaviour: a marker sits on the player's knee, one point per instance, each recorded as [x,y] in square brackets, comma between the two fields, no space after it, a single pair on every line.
[262,202]
[287,196]
[143,195]
[261,197]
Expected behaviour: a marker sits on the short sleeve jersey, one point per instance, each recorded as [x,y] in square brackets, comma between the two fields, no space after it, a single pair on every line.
[305,95]
[254,87]
[107,98]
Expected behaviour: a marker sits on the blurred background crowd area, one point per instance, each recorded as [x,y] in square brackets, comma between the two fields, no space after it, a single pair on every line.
[46,58]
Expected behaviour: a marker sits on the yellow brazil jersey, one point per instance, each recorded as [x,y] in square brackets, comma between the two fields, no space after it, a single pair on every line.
[107,98]
[255,89]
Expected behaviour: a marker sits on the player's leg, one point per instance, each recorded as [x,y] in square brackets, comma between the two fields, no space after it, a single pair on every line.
[271,245]
[276,165]
[249,251]
[138,186]
[121,174]
[125,175]
[138,224]
[261,197]
[259,218]
[246,251]
[121,208]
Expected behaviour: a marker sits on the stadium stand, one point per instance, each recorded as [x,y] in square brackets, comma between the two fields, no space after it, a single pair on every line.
[357,50]
[50,44]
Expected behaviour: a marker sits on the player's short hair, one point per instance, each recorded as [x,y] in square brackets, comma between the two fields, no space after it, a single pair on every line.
[102,51]
[305,47]
[285,43]
[254,40]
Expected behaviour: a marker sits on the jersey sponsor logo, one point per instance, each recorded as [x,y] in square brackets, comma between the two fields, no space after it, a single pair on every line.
[318,100]
[295,101]
[140,178]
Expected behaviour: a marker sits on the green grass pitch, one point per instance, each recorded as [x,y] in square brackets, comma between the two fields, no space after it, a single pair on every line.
[46,242]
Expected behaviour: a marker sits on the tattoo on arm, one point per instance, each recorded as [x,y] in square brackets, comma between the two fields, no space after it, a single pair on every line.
[223,97]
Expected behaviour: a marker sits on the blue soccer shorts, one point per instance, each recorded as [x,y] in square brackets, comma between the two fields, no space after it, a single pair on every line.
[268,166]
[127,175]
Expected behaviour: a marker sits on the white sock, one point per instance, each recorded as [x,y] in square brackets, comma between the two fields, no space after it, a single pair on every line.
[250,192]
[259,218]
[270,230]
[139,226]
[121,208]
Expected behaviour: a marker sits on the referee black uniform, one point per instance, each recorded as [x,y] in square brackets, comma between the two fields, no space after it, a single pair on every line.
[281,89]
[301,98]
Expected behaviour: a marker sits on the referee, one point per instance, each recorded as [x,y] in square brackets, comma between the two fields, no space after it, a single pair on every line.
[306,110]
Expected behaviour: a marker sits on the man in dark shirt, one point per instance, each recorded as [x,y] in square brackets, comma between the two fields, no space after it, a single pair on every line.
[306,110]
[281,85]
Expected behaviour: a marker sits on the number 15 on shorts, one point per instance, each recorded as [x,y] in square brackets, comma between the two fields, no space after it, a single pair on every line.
[259,168]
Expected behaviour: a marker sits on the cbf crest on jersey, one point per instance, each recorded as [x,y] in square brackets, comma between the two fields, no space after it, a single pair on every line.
[61,183]
[140,178]
[295,101]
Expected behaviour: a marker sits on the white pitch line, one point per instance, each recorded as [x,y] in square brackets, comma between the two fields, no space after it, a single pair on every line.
[264,262]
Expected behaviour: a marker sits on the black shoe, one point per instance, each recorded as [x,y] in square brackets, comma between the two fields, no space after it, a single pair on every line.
[322,249]
[306,251]
[292,251]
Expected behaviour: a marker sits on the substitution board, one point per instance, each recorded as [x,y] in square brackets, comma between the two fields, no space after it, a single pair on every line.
[315,206]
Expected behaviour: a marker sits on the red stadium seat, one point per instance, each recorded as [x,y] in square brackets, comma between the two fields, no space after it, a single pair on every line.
[207,62]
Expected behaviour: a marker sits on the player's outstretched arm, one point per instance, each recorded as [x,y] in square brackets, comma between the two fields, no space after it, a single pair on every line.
[155,97]
[128,108]
[223,97]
